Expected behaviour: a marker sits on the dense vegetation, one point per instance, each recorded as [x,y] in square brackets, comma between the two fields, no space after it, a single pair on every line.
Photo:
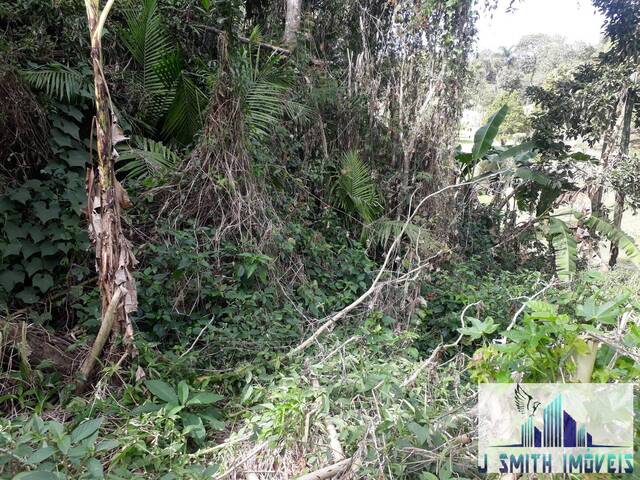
[240,238]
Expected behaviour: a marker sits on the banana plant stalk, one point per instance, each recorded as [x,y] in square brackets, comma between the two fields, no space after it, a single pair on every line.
[585,363]
[105,198]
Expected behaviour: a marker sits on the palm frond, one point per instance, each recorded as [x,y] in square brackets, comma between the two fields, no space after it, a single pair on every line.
[613,234]
[184,116]
[353,189]
[566,249]
[148,42]
[59,81]
[148,158]
[384,230]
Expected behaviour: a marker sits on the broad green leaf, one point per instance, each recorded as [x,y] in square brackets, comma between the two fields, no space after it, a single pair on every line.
[28,295]
[107,445]
[519,153]
[421,433]
[614,234]
[204,398]
[162,390]
[36,475]
[41,455]
[56,428]
[64,444]
[183,392]
[11,278]
[85,429]
[193,426]
[478,328]
[94,468]
[75,158]
[20,195]
[43,281]
[602,313]
[485,135]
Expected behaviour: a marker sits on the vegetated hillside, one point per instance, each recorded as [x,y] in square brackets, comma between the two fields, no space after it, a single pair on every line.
[240,239]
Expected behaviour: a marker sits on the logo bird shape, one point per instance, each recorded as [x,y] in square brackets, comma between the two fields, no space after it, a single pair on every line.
[525,403]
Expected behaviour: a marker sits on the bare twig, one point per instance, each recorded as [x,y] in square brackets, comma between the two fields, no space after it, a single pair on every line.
[198,337]
[436,352]
[524,304]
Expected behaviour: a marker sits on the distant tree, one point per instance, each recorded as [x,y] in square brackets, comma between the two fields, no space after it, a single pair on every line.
[516,120]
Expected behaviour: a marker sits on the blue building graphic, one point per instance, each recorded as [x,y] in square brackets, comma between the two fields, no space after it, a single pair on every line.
[559,429]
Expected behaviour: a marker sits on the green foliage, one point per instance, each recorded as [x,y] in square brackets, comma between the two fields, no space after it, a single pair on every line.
[478,328]
[42,234]
[353,190]
[462,284]
[542,344]
[60,82]
[484,137]
[172,101]
[43,450]
[565,245]
[614,234]
[566,248]
[515,121]
[262,87]
[147,158]
[183,404]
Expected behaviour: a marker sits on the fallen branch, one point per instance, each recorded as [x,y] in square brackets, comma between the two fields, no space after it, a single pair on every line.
[327,472]
[285,52]
[337,453]
[242,461]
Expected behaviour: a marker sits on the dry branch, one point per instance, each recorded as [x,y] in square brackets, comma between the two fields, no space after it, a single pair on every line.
[337,453]
[285,52]
[101,339]
[327,472]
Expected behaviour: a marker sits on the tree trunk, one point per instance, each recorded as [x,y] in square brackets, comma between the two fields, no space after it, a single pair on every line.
[105,196]
[625,139]
[292,23]
[611,145]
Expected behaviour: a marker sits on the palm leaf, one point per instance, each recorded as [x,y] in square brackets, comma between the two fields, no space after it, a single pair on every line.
[58,81]
[613,234]
[384,230]
[148,158]
[353,189]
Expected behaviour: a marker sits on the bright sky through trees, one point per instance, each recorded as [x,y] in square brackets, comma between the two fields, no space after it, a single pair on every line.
[575,19]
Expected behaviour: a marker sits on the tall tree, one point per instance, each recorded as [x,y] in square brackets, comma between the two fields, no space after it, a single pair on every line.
[292,23]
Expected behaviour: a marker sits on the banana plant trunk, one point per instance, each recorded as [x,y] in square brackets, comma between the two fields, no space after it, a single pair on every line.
[105,197]
[585,363]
